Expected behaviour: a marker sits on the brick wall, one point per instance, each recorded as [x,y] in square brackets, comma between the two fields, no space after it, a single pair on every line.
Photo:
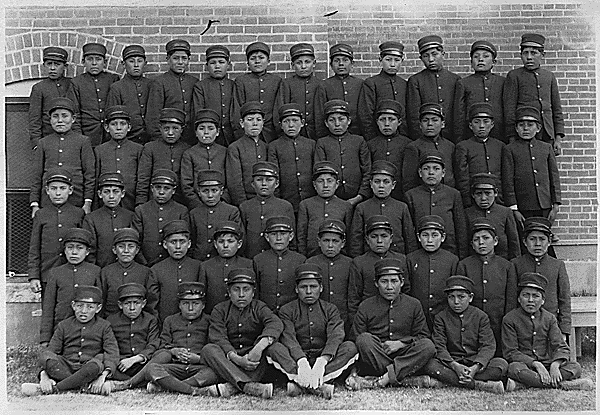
[567,26]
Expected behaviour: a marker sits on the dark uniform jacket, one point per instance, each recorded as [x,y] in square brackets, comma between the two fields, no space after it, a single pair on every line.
[404,240]
[220,96]
[133,93]
[213,274]
[374,89]
[509,246]
[315,329]
[337,87]
[427,273]
[431,87]
[475,88]
[178,331]
[537,88]
[391,149]
[203,222]
[275,277]
[59,293]
[90,93]
[170,90]
[39,104]
[115,275]
[301,91]
[46,250]
[530,175]
[241,156]
[558,291]
[103,223]
[412,154]
[194,159]
[135,337]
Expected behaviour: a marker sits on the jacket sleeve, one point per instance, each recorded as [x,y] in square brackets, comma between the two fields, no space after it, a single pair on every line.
[49,305]
[302,229]
[335,331]
[35,115]
[357,236]
[510,95]
[508,177]
[510,343]
[110,348]
[413,103]
[512,291]
[408,229]
[460,112]
[74,95]
[235,182]
[288,337]
[355,290]
[460,227]
[555,194]
[440,340]
[187,179]
[89,226]
[564,299]
[365,169]
[156,102]
[557,113]
[272,325]
[462,175]
[34,258]
[486,341]
[198,96]
[39,160]
[152,339]
[367,104]
[420,330]
[88,166]
[144,175]
[320,98]
[360,323]
[512,235]
[410,166]
[153,294]
[217,330]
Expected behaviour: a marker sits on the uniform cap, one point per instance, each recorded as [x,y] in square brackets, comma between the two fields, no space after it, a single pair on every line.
[279,223]
[389,106]
[178,45]
[306,271]
[378,222]
[175,226]
[58,175]
[288,110]
[533,40]
[484,45]
[336,106]
[210,178]
[431,222]
[428,42]
[459,282]
[432,156]
[301,49]
[94,49]
[527,113]
[533,280]
[481,109]
[483,224]
[172,115]
[341,49]
[187,289]
[111,179]
[164,176]
[334,226]
[251,107]
[131,289]
[241,275]
[391,48]
[207,115]
[217,51]
[265,168]
[61,103]
[484,181]
[80,235]
[537,223]
[55,54]
[257,47]
[88,294]
[388,266]
[324,167]
[431,108]
[126,235]
[228,226]
[133,50]
[117,112]
[384,167]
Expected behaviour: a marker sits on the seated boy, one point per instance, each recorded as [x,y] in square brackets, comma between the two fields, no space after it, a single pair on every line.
[82,352]
[532,343]
[312,350]
[465,343]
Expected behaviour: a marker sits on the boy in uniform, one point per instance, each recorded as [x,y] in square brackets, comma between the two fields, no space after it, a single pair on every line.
[434,84]
[173,89]
[132,91]
[54,86]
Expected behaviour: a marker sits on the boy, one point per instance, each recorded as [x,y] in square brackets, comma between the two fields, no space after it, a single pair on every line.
[300,88]
[465,343]
[479,154]
[429,266]
[434,198]
[63,280]
[227,240]
[244,153]
[50,225]
[241,329]
[275,267]
[531,326]
[324,206]
[209,213]
[348,151]
[89,92]
[260,86]
[494,278]
[173,89]
[294,155]
[536,87]
[54,86]
[433,84]
[204,155]
[383,180]
[165,153]
[484,192]
[386,85]
[482,86]
[256,212]
[340,87]
[151,217]
[65,149]
[431,122]
[132,91]
[389,144]
[83,350]
[119,155]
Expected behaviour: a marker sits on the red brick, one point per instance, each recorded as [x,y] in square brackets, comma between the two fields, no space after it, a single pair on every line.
[258,29]
[146,30]
[174,30]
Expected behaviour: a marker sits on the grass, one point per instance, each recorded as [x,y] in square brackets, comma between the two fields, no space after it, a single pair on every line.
[21,367]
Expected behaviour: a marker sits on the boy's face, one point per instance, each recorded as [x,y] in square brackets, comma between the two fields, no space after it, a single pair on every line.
[258,62]
[379,241]
[134,66]
[431,125]
[388,124]
[118,128]
[252,125]
[292,125]
[55,69]
[241,294]
[210,195]
[337,123]
[76,252]
[433,59]
[84,311]
[326,184]
[162,193]
[432,173]
[531,300]
[126,251]
[309,290]
[132,306]
[177,245]
[206,133]
[331,244]
[484,198]
[265,185]
[481,126]
[304,66]
[382,185]
[58,192]
[171,132]
[341,65]
[391,64]
[227,245]
[61,120]
[431,239]
[482,60]
[527,129]
[94,64]
[537,243]
[191,307]
[389,286]
[483,242]
[279,240]
[532,58]
[459,300]
[178,62]
[217,67]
